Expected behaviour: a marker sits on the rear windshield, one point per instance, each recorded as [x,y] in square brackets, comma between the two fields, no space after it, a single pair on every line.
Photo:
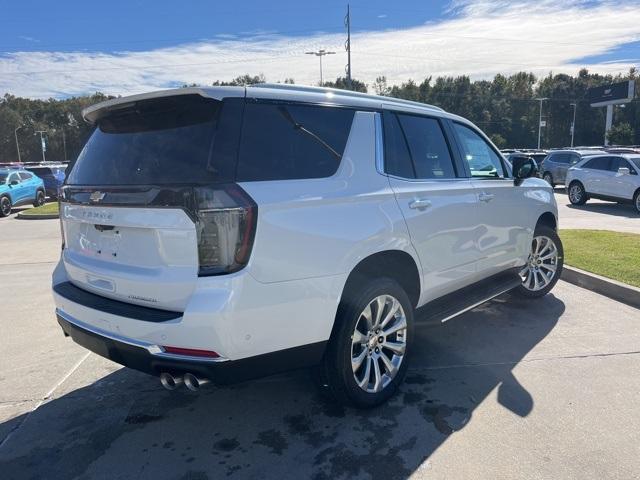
[154,142]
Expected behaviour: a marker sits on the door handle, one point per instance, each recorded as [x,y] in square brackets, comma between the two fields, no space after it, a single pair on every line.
[420,204]
[486,197]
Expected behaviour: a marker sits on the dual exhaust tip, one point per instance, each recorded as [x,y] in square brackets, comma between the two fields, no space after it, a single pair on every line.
[191,381]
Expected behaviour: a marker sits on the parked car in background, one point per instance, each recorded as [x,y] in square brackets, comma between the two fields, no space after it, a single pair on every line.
[19,187]
[220,234]
[607,177]
[556,164]
[52,175]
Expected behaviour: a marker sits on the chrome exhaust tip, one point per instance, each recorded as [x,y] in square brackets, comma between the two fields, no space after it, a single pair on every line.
[170,382]
[194,383]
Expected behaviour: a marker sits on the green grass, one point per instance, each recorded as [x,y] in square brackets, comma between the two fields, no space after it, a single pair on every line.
[46,209]
[610,254]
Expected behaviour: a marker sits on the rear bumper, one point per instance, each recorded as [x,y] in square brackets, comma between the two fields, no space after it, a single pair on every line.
[150,359]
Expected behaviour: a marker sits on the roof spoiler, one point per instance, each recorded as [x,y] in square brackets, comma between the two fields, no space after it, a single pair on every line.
[93,113]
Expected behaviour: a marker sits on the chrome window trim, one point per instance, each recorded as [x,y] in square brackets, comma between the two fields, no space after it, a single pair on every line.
[153,349]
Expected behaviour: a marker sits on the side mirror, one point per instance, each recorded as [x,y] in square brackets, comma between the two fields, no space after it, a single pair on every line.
[523,167]
[624,171]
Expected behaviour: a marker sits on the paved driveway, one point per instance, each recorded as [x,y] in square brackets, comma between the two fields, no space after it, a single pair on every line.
[597,215]
[512,389]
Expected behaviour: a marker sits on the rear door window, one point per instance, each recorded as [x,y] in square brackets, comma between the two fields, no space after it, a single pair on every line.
[428,147]
[24,176]
[283,141]
[397,160]
[483,161]
[598,163]
[184,139]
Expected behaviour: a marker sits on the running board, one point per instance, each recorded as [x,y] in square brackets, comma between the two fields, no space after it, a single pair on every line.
[463,300]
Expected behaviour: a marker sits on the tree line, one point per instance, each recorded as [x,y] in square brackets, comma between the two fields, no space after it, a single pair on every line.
[504,107]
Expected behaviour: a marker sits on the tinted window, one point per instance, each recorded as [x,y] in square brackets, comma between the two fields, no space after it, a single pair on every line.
[482,159]
[14,178]
[41,171]
[598,163]
[397,160]
[617,162]
[282,142]
[3,177]
[559,158]
[170,140]
[25,175]
[428,147]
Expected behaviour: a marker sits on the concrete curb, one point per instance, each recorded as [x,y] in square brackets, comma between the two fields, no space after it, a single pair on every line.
[37,216]
[613,289]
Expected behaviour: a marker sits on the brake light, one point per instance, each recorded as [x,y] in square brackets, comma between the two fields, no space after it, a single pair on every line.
[226,228]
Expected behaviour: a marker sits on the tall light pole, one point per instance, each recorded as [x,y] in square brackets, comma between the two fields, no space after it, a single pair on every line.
[320,53]
[41,132]
[540,119]
[15,133]
[573,123]
[347,22]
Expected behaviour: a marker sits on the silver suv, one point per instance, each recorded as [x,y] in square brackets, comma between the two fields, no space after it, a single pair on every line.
[555,165]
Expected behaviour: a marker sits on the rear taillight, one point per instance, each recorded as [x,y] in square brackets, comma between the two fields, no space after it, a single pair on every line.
[226,227]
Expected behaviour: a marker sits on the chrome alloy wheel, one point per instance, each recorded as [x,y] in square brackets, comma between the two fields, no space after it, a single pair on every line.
[542,264]
[575,193]
[378,343]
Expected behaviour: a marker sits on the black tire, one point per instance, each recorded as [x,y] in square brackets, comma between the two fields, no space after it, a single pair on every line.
[5,206]
[550,233]
[335,374]
[40,198]
[579,196]
[636,200]
[547,177]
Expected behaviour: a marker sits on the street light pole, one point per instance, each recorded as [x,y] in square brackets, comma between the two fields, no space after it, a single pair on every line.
[540,120]
[42,142]
[573,124]
[15,133]
[320,53]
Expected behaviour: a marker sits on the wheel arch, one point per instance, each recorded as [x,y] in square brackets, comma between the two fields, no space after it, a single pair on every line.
[396,264]
[548,219]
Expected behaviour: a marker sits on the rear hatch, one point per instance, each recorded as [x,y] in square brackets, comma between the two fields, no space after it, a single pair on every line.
[149,205]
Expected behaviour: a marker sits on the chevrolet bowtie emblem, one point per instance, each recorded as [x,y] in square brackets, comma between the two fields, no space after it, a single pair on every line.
[95,197]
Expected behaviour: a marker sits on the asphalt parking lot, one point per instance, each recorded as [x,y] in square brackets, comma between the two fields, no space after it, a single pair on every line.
[597,215]
[512,389]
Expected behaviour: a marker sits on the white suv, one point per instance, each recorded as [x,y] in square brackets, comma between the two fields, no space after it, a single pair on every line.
[220,234]
[607,177]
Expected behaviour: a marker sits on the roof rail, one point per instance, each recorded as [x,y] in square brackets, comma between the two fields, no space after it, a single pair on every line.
[345,93]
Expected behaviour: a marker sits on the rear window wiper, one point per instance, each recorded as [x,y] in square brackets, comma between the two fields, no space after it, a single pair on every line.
[298,126]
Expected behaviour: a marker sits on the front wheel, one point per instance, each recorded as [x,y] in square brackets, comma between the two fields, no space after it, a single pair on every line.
[39,200]
[636,201]
[548,178]
[366,359]
[544,264]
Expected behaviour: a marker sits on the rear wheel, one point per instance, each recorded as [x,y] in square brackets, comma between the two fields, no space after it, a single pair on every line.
[5,207]
[366,359]
[544,265]
[636,201]
[39,200]
[577,194]
[547,177]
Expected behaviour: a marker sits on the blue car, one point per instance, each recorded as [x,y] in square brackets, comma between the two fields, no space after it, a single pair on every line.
[19,187]
[52,175]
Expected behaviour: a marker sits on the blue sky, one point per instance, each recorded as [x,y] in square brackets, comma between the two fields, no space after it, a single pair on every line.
[59,49]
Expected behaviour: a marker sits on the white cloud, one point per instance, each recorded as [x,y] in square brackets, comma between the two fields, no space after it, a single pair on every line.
[481,38]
